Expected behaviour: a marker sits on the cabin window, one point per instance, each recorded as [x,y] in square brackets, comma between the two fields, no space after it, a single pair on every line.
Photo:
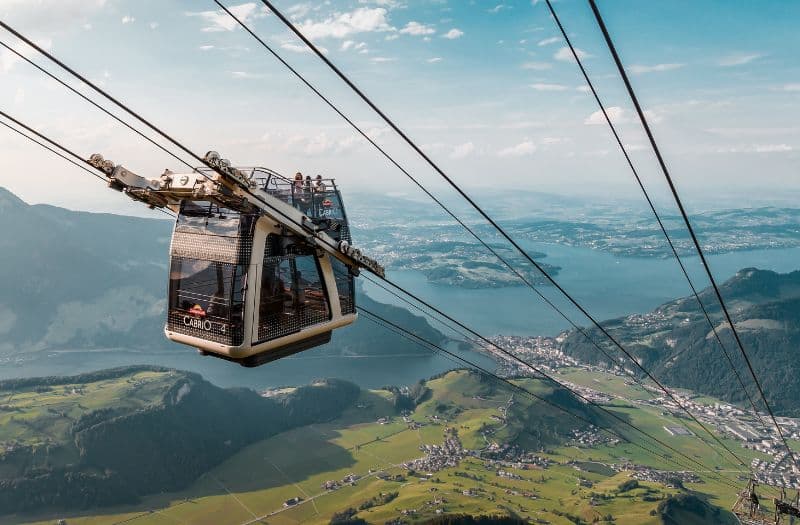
[206,299]
[293,295]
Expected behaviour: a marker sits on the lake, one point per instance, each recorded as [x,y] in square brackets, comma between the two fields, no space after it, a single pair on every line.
[606,285]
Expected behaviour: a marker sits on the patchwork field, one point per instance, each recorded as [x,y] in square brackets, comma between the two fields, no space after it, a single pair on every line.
[282,480]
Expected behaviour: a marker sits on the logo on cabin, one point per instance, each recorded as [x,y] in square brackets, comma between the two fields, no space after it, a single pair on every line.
[327,203]
[184,180]
[197,310]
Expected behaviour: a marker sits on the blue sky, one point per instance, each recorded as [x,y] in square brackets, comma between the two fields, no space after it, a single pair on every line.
[486,87]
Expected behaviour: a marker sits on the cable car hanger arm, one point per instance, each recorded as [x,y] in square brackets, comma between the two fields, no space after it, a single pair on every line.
[229,187]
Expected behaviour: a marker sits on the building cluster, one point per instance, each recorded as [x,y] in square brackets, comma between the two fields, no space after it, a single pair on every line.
[780,472]
[591,437]
[508,474]
[349,479]
[542,352]
[752,431]
[665,477]
[438,457]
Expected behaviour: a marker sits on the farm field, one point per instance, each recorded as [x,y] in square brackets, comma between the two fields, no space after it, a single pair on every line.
[281,480]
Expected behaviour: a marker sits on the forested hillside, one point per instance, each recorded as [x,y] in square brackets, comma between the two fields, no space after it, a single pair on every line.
[112,436]
[677,344]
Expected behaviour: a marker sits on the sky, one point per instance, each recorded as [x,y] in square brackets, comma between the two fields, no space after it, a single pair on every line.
[487,88]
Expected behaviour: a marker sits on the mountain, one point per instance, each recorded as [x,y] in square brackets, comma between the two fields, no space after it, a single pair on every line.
[74,444]
[112,436]
[72,278]
[88,280]
[675,342]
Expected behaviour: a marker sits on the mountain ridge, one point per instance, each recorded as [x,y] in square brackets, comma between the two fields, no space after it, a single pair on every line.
[676,344]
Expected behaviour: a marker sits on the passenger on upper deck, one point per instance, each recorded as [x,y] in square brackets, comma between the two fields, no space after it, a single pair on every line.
[298,181]
[307,184]
[319,185]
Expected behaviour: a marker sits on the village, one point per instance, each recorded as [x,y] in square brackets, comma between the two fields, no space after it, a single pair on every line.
[751,430]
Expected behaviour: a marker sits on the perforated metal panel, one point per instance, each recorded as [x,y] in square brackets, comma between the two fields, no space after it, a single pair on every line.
[233,250]
[279,325]
[210,308]
[293,296]
[345,286]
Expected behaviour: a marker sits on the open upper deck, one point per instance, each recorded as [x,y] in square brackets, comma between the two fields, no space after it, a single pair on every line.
[317,198]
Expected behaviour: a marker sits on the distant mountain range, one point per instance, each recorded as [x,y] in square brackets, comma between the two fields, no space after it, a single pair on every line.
[622,228]
[87,280]
[675,342]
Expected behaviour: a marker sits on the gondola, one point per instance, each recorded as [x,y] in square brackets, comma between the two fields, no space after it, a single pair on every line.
[260,267]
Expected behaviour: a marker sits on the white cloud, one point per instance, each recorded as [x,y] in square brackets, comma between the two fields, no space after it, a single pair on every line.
[524,124]
[543,86]
[128,19]
[790,87]
[583,89]
[652,116]
[463,150]
[758,148]
[8,59]
[153,25]
[316,145]
[347,44]
[565,55]
[548,41]
[19,96]
[391,4]
[298,10]
[379,60]
[640,69]
[393,36]
[453,34]
[220,21]
[619,116]
[434,60]
[245,75]
[773,148]
[496,9]
[536,66]
[206,47]
[49,15]
[739,59]
[615,113]
[361,20]
[417,29]
[523,148]
[296,47]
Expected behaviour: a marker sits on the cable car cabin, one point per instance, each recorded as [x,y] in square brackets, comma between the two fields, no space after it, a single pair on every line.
[244,288]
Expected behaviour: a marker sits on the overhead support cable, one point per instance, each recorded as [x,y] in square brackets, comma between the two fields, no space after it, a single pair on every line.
[95,104]
[79,163]
[314,235]
[506,352]
[662,164]
[447,210]
[488,218]
[650,204]
[53,150]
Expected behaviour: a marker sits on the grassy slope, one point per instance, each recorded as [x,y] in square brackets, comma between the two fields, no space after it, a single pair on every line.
[260,478]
